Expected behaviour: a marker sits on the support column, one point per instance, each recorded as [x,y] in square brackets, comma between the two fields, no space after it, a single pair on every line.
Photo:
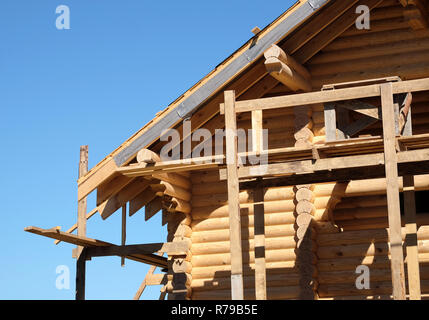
[179,267]
[81,229]
[393,207]
[305,210]
[411,241]
[237,290]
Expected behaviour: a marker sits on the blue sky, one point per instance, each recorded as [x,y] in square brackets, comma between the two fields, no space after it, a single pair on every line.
[96,84]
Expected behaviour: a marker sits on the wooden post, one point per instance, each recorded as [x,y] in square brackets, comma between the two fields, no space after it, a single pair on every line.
[237,292]
[259,223]
[330,122]
[124,230]
[411,241]
[81,230]
[393,206]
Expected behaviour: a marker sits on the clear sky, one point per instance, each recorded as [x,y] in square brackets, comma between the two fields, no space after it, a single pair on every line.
[96,84]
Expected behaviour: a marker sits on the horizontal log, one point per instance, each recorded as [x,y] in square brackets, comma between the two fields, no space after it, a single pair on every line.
[355,237]
[378,223]
[272,280]
[367,63]
[272,219]
[363,250]
[273,293]
[224,246]
[249,257]
[362,202]
[404,71]
[279,206]
[360,213]
[378,51]
[371,39]
[210,272]
[246,233]
[245,196]
[349,276]
[350,263]
[383,288]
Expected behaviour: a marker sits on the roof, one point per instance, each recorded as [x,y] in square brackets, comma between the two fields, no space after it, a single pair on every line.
[191,100]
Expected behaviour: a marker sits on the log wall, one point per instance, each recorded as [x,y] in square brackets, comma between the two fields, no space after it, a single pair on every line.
[358,209]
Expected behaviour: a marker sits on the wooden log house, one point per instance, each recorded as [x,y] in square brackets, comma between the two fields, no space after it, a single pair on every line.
[346,180]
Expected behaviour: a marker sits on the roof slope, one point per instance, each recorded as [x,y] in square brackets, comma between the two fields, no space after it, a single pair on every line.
[199,93]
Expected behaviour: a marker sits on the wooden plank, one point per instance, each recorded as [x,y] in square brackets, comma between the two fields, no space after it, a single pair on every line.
[359,125]
[330,122]
[143,284]
[326,164]
[259,242]
[153,208]
[257,121]
[178,248]
[237,291]
[89,242]
[81,229]
[111,187]
[141,200]
[74,227]
[361,107]
[392,189]
[115,202]
[327,96]
[124,231]
[411,238]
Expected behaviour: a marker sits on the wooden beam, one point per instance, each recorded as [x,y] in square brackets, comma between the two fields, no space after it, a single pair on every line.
[327,96]
[411,244]
[328,164]
[392,189]
[361,107]
[74,227]
[141,200]
[143,285]
[89,242]
[81,229]
[178,248]
[259,242]
[124,231]
[153,208]
[359,125]
[128,193]
[276,52]
[330,122]
[286,75]
[237,290]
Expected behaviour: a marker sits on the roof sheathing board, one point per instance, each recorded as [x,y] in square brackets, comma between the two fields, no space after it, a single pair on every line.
[191,103]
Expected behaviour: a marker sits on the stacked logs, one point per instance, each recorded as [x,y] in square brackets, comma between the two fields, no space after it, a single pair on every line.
[340,255]
[179,267]
[211,277]
[173,196]
[305,210]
